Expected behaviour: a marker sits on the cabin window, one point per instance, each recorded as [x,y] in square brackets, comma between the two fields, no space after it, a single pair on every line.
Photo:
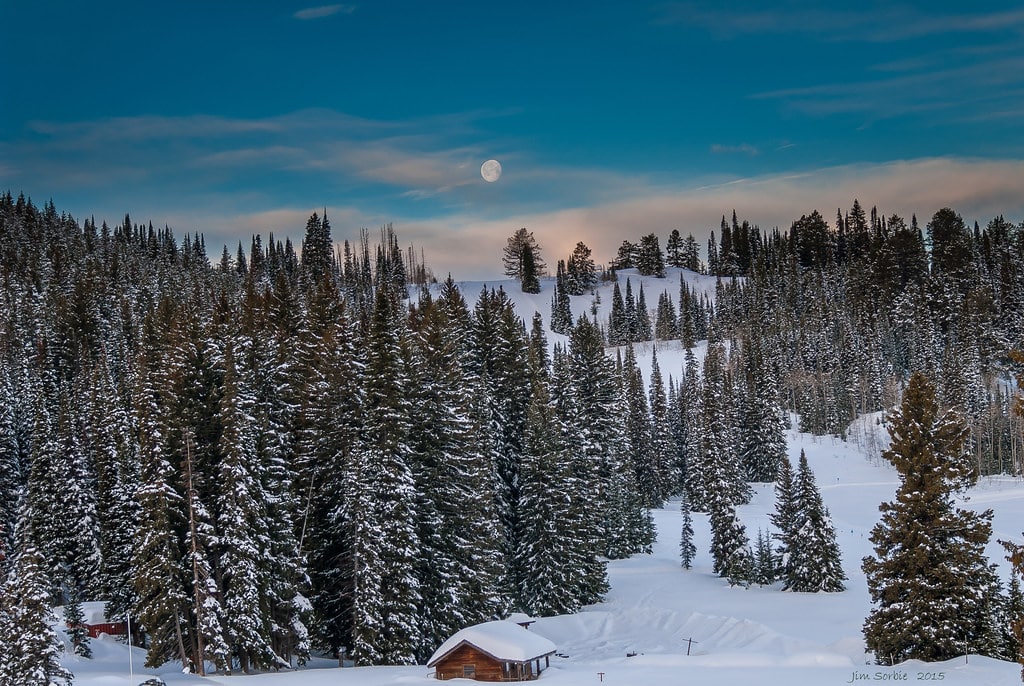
[468,671]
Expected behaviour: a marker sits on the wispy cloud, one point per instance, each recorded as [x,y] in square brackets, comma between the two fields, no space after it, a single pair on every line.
[995,84]
[323,11]
[880,25]
[744,148]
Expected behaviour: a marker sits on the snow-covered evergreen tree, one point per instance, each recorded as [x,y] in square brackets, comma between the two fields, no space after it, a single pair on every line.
[32,651]
[386,591]
[766,568]
[639,432]
[814,563]
[604,469]
[242,519]
[687,549]
[552,543]
[618,332]
[74,620]
[460,568]
[928,578]
[666,468]
[786,516]
[163,604]
[644,330]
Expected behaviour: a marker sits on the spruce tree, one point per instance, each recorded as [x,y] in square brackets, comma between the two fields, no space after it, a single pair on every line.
[638,431]
[766,569]
[552,543]
[522,260]
[661,437]
[619,521]
[74,620]
[618,333]
[387,594]
[1015,605]
[687,549]
[581,274]
[814,564]
[928,578]
[644,331]
[163,604]
[461,565]
[31,648]
[244,543]
[786,516]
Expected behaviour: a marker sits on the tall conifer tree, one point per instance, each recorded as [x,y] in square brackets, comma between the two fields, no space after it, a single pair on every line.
[928,578]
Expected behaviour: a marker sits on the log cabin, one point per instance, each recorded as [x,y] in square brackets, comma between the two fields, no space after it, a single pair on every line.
[493,651]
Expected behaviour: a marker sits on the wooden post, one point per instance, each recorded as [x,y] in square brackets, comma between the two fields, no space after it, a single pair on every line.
[689,644]
[600,676]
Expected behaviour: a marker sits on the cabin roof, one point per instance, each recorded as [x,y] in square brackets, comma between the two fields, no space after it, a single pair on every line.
[502,640]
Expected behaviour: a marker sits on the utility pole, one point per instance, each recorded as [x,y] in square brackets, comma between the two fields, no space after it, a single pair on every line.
[131,669]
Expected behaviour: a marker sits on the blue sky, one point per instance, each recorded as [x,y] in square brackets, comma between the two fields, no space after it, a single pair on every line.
[611,119]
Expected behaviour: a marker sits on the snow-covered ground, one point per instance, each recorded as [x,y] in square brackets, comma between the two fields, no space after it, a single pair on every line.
[758,636]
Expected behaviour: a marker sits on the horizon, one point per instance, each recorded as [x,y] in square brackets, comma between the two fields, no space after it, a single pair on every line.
[609,121]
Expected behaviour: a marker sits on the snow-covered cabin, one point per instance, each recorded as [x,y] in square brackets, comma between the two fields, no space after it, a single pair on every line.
[493,651]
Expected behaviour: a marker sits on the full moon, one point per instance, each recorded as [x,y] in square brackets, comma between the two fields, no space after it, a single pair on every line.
[491,170]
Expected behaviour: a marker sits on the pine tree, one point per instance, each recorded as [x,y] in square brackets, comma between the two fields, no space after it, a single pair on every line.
[561,314]
[814,563]
[929,579]
[730,547]
[1015,604]
[552,542]
[674,254]
[461,565]
[581,274]
[317,249]
[644,332]
[631,323]
[522,260]
[162,601]
[638,432]
[618,333]
[687,549]
[31,649]
[242,519]
[766,568]
[324,386]
[650,260]
[74,620]
[618,521]
[786,515]
[11,476]
[661,437]
[387,594]
[666,321]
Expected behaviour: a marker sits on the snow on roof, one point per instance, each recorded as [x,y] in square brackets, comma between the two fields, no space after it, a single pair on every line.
[502,640]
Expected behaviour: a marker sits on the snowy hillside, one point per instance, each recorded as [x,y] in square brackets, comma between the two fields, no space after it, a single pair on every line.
[670,353]
[641,633]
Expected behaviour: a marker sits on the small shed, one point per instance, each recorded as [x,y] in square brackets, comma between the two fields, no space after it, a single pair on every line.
[97,622]
[493,651]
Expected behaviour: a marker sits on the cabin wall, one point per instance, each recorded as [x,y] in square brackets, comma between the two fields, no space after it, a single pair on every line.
[487,669]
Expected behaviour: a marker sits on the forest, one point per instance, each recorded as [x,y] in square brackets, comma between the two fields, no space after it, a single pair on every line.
[326,449]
